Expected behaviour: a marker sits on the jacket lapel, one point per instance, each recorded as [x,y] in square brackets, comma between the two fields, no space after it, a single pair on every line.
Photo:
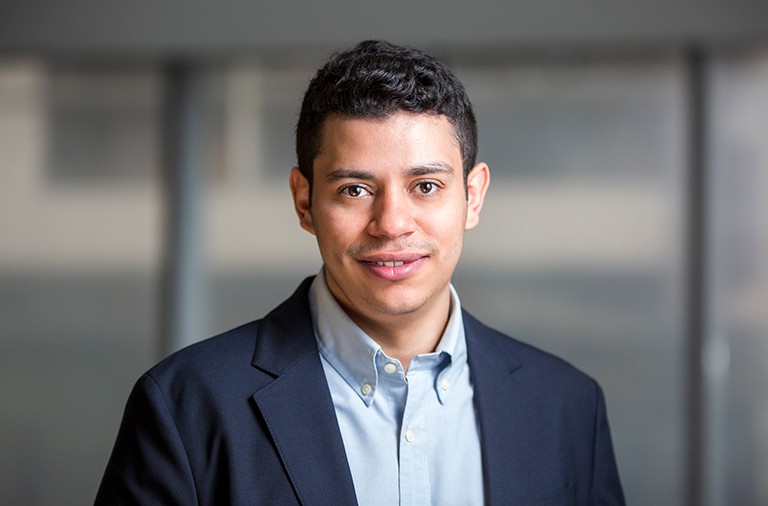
[508,428]
[297,406]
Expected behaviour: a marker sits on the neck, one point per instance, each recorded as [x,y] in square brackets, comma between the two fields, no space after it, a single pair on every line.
[404,336]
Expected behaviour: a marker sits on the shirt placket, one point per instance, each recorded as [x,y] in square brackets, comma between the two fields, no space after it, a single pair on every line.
[414,449]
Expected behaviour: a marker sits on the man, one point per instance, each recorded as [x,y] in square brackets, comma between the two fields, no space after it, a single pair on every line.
[370,384]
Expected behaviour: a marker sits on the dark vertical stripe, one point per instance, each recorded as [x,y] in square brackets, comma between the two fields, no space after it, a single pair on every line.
[696,275]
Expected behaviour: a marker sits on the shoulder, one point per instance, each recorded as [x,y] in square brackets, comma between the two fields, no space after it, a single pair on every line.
[232,347]
[216,363]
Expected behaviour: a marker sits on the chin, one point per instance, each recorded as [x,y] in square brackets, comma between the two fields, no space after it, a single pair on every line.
[402,306]
[399,310]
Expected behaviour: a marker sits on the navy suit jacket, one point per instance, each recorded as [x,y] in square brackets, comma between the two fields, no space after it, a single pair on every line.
[247,418]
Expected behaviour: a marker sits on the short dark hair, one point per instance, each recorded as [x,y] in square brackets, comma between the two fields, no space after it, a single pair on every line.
[374,80]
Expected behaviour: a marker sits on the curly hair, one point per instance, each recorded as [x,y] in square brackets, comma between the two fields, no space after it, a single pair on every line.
[374,80]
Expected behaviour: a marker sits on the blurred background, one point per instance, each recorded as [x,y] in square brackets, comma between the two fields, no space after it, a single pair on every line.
[144,205]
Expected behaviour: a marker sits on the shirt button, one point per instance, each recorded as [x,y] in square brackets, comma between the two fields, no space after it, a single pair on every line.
[409,436]
[390,368]
[366,389]
[444,385]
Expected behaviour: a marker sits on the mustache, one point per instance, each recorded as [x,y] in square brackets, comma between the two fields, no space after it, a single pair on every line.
[387,245]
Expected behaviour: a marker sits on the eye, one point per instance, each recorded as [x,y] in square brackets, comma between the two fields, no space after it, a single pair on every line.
[427,187]
[354,191]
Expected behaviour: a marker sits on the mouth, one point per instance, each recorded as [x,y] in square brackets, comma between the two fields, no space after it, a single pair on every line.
[394,269]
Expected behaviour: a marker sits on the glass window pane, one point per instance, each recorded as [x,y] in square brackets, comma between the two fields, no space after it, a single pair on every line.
[79,220]
[102,124]
[257,252]
[738,341]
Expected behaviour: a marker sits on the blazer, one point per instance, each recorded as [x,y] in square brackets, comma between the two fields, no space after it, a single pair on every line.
[247,418]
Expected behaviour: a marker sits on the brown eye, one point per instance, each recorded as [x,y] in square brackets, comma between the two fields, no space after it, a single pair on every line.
[354,191]
[427,187]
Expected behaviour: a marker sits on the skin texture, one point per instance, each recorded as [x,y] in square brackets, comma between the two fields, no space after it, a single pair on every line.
[391,190]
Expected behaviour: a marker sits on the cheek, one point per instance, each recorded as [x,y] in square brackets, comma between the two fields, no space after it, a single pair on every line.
[335,232]
[447,223]
[346,220]
[448,232]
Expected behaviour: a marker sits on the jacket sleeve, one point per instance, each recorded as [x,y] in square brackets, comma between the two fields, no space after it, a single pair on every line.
[606,485]
[149,464]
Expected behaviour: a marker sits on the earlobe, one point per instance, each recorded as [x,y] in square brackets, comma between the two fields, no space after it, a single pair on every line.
[301,199]
[477,184]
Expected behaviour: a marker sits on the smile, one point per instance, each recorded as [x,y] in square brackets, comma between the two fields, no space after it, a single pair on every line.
[394,270]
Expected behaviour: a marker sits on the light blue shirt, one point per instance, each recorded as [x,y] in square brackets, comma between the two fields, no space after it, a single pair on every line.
[410,439]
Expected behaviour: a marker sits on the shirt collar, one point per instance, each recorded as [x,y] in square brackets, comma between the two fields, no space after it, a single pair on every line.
[355,355]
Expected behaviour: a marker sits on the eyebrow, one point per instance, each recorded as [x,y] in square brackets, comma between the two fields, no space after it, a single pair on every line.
[430,168]
[348,174]
[420,170]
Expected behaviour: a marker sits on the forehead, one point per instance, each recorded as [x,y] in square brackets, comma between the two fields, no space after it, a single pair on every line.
[402,137]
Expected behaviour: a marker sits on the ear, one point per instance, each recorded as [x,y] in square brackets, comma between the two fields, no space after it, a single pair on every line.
[477,184]
[301,199]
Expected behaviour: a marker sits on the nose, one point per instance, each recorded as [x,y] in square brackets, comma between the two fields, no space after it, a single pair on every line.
[393,216]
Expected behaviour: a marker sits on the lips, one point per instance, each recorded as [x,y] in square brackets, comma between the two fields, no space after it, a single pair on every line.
[394,269]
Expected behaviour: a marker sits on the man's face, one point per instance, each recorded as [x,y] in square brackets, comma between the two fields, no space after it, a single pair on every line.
[389,209]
